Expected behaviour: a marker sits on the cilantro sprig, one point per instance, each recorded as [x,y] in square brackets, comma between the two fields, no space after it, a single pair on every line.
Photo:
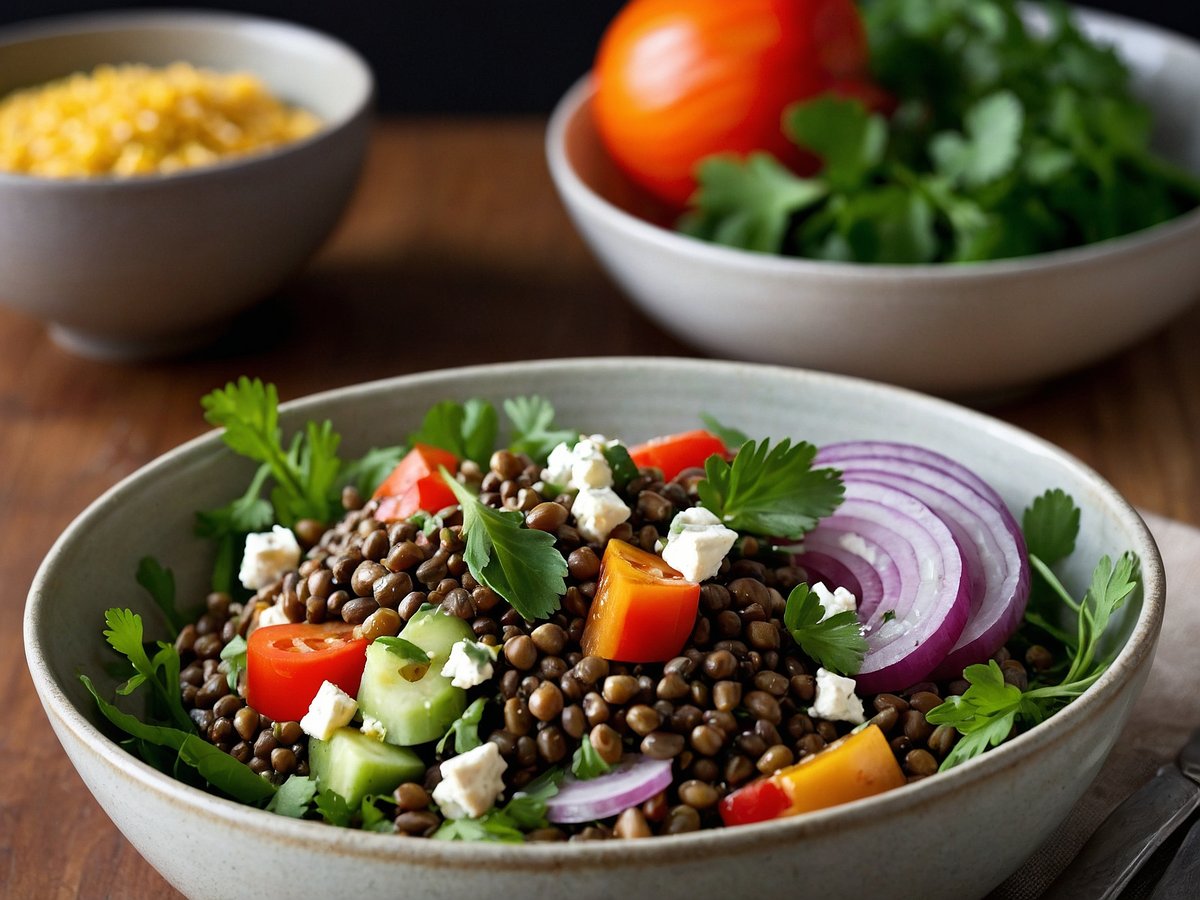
[836,642]
[533,429]
[988,711]
[468,430]
[518,563]
[587,762]
[463,733]
[1005,140]
[770,490]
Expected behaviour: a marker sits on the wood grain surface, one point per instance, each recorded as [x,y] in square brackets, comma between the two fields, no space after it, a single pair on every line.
[455,250]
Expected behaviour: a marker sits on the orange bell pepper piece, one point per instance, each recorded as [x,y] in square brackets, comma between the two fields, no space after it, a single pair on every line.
[415,484]
[675,452]
[643,610]
[859,765]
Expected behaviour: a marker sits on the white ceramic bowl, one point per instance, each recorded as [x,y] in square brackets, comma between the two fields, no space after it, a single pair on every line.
[144,266]
[953,329]
[953,836]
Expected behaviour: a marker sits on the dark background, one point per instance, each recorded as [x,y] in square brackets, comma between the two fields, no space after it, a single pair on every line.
[482,56]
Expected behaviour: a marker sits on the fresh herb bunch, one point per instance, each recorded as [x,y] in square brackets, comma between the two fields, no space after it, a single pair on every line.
[988,711]
[1006,140]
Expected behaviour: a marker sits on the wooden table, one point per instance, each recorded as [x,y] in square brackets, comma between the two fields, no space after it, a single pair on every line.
[432,231]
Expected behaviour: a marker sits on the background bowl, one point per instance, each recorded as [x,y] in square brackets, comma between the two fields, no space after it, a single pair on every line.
[149,265]
[953,836]
[953,329]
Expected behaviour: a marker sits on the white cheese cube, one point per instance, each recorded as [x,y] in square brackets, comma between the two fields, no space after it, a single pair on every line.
[598,511]
[471,782]
[696,544]
[330,710]
[580,466]
[268,556]
[834,602]
[469,664]
[835,699]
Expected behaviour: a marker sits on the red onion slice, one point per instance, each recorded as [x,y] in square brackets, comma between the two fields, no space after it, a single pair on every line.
[921,568]
[992,544]
[635,780]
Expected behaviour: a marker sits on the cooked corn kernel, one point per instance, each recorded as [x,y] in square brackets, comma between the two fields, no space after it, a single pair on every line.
[135,120]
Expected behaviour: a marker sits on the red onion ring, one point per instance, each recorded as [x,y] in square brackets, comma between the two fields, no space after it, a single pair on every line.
[635,780]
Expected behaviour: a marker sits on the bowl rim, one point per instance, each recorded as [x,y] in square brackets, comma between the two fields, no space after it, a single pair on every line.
[1136,652]
[595,205]
[99,22]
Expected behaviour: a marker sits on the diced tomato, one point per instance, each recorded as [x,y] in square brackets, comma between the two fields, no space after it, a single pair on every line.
[286,664]
[643,610]
[416,484]
[859,765]
[675,452]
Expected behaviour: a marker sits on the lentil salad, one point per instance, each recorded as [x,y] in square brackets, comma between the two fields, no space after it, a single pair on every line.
[738,700]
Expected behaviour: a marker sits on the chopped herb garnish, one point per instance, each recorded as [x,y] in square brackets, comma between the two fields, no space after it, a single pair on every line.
[770,490]
[159,582]
[533,432]
[624,469]
[836,643]
[414,662]
[228,525]
[294,797]
[124,634]
[464,731]
[526,811]
[731,437]
[468,430]
[333,808]
[368,472]
[587,762]
[234,653]
[520,564]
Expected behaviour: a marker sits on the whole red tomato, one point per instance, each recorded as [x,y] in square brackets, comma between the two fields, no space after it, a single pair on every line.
[678,80]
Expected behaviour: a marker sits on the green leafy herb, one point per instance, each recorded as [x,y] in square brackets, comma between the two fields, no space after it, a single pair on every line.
[369,471]
[305,473]
[294,797]
[213,764]
[464,732]
[333,808]
[731,437]
[1051,524]
[229,524]
[1006,140]
[159,582]
[587,762]
[534,433]
[124,634]
[373,818]
[520,564]
[526,811]
[889,615]
[414,662]
[624,469]
[989,709]
[429,523]
[234,653]
[770,490]
[836,643]
[468,430]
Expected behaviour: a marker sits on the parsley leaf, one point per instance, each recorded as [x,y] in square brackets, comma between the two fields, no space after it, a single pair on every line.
[373,818]
[836,643]
[333,808]
[520,564]
[1050,525]
[414,661]
[305,473]
[124,634]
[368,472]
[624,469]
[587,762]
[234,653]
[850,141]
[468,430]
[464,731]
[534,433]
[294,797]
[990,146]
[731,437]
[229,524]
[770,491]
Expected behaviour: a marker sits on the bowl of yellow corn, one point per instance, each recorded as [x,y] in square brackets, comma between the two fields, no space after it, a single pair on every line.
[162,171]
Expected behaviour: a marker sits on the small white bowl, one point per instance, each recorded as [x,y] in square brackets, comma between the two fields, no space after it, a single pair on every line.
[144,266]
[950,837]
[953,329]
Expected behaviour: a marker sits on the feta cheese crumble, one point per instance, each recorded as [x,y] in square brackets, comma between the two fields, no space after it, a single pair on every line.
[471,782]
[696,544]
[273,615]
[598,511]
[469,664]
[373,728]
[833,602]
[330,710]
[836,700]
[581,466]
[269,554]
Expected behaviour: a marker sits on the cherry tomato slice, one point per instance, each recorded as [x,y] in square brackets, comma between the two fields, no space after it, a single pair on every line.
[643,610]
[286,664]
[416,484]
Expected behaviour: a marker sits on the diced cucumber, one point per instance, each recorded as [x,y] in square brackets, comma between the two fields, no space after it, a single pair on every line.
[354,765]
[415,712]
